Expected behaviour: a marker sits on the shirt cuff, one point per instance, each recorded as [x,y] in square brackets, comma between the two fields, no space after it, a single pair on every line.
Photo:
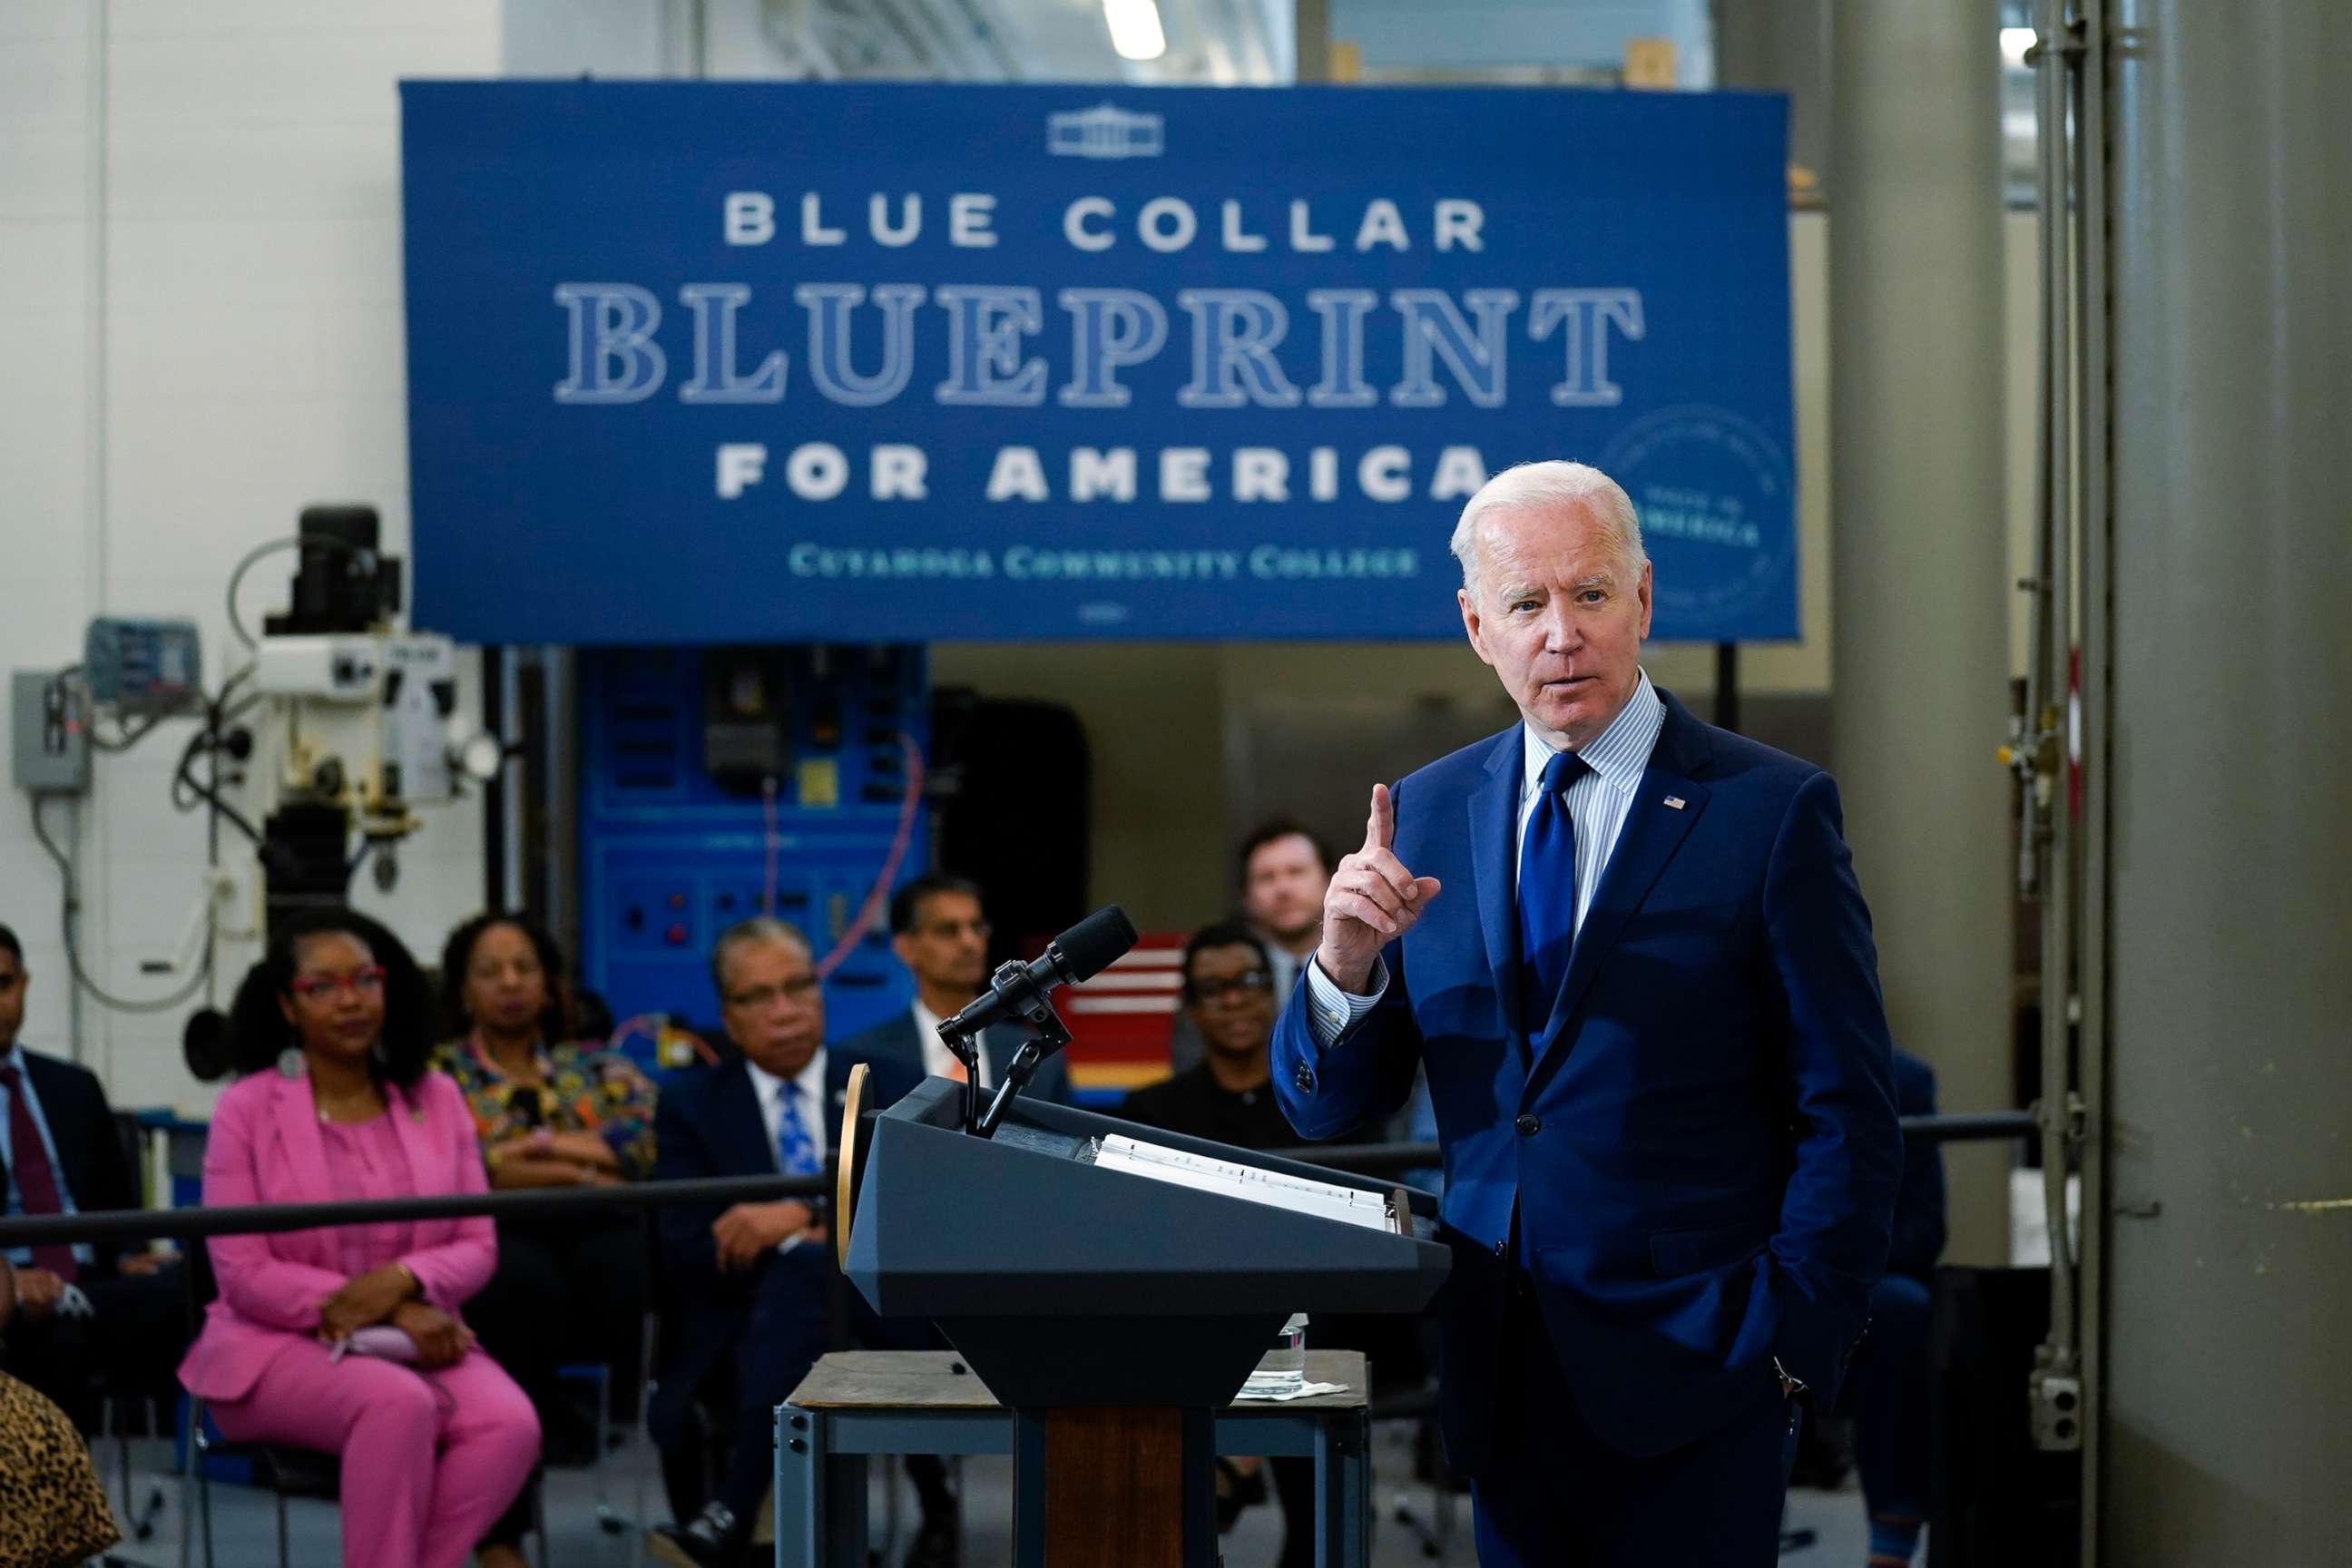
[1332,1012]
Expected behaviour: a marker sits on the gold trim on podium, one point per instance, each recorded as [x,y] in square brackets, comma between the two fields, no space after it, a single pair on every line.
[844,1180]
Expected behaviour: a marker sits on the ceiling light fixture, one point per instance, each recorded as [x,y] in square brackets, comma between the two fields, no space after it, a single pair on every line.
[1134,31]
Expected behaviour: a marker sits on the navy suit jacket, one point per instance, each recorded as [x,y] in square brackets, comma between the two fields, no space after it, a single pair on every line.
[1699,1141]
[92,1166]
[895,1039]
[707,1123]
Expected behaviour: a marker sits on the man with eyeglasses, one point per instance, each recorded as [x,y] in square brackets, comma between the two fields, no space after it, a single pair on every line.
[1229,998]
[940,931]
[751,1281]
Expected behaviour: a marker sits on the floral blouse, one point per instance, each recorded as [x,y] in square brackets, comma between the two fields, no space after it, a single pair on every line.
[582,1089]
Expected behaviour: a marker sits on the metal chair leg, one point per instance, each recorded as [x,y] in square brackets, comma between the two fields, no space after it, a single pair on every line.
[607,1520]
[285,1557]
[538,1485]
[196,1447]
[188,1492]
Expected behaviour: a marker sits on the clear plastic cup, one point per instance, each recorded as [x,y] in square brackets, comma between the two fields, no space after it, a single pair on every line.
[1283,1368]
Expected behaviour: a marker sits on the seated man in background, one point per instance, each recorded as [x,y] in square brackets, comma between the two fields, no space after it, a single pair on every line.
[1283,868]
[86,1307]
[940,931]
[751,1284]
[1229,997]
[1889,1397]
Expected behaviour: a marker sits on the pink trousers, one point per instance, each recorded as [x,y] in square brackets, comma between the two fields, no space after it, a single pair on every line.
[430,1458]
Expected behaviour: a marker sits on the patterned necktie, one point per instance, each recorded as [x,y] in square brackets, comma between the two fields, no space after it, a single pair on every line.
[796,1150]
[1548,893]
[36,1182]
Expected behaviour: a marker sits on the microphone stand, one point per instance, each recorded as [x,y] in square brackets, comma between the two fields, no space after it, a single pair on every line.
[1052,1035]
[966,1050]
[1028,1002]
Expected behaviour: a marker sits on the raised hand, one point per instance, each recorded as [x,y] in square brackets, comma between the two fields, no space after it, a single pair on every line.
[1371,900]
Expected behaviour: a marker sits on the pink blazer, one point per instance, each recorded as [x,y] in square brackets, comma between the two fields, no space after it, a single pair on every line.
[265,1147]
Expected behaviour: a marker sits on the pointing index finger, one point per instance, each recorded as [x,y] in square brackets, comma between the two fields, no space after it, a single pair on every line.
[1380,828]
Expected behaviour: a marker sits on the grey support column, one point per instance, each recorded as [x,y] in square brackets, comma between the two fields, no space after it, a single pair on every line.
[1920,648]
[2229,1313]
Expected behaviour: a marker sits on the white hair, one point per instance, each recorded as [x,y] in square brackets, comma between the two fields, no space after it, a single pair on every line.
[1555,483]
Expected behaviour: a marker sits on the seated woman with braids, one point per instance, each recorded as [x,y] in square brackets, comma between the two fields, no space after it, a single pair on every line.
[548,1112]
[351,1341]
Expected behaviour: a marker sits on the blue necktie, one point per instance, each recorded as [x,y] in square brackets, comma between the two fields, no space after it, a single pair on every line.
[1547,894]
[794,1150]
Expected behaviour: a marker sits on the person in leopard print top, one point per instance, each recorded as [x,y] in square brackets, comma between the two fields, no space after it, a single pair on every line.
[52,1510]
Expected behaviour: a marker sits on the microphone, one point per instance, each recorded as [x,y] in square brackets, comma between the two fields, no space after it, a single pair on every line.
[1018,989]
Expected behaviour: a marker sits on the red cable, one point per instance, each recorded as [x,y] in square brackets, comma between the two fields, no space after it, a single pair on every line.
[877,898]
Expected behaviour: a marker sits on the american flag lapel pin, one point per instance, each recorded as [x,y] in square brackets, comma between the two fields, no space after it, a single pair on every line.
[1675,801]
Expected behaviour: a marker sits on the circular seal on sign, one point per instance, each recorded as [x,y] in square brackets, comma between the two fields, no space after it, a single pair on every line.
[1716,497]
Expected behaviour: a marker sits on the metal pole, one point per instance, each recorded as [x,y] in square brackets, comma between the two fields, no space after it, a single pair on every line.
[2056,1386]
[2093,695]
[1919,688]
[1312,24]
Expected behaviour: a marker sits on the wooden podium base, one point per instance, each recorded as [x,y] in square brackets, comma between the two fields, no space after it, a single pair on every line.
[1125,1486]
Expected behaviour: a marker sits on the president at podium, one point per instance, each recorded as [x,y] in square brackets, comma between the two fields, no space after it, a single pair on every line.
[1630,951]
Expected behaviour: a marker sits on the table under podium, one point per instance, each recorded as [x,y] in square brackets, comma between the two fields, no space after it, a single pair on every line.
[857,1404]
[1114,1314]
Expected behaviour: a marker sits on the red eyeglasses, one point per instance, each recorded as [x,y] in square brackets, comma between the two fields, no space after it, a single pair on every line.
[368,982]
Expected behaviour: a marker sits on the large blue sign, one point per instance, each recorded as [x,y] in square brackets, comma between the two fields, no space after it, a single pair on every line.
[717,362]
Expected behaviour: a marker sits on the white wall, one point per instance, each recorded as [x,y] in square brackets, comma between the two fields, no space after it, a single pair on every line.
[204,200]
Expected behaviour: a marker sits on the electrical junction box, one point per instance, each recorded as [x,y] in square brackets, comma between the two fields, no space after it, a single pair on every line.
[49,751]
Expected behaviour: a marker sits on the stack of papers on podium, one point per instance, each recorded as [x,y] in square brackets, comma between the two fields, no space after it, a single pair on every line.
[1299,1194]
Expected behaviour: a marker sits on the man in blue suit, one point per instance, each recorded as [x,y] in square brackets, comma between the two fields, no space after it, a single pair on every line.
[940,931]
[750,1283]
[1629,952]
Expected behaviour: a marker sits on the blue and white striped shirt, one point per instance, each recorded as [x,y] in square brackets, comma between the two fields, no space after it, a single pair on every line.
[1598,803]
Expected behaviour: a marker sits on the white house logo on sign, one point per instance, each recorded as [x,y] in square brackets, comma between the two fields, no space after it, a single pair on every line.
[1105,132]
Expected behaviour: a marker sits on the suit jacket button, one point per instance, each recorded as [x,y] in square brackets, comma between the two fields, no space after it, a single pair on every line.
[1529,1126]
[1304,1079]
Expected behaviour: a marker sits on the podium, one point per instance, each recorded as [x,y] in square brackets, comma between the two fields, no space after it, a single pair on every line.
[1046,1271]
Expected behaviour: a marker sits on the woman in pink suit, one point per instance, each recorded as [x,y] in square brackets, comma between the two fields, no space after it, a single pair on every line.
[332,1030]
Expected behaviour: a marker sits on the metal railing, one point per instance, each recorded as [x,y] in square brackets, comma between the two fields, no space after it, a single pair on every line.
[249,1219]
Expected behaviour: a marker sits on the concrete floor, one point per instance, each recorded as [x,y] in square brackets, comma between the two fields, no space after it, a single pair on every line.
[245,1520]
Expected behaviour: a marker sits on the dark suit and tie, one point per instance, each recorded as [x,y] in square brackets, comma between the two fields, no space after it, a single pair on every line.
[1640,977]
[747,1288]
[61,1153]
[749,1335]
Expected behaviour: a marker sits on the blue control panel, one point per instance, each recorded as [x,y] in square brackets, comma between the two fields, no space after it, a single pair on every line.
[721,784]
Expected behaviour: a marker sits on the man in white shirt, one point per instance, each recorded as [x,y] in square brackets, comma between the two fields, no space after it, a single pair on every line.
[1284,868]
[940,931]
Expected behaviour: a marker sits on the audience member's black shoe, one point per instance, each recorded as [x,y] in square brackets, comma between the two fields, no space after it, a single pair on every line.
[934,1545]
[711,1539]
